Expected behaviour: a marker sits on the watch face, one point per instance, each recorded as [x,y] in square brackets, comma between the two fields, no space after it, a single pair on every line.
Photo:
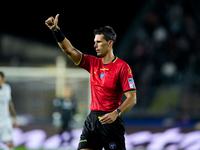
[118,111]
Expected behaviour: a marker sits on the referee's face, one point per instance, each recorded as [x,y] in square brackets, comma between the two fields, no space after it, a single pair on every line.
[101,45]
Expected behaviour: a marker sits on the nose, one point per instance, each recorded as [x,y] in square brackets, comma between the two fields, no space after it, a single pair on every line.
[95,45]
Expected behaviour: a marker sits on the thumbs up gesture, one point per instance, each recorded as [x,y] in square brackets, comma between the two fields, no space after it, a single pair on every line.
[52,23]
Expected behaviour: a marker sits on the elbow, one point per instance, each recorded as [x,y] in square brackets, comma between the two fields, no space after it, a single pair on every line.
[68,50]
[131,96]
[134,101]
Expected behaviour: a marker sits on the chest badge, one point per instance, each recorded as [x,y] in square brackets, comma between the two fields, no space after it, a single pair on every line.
[102,75]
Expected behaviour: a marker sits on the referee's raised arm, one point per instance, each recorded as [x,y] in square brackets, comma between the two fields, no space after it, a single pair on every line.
[63,42]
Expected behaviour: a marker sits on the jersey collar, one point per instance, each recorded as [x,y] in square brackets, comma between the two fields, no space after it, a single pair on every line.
[114,60]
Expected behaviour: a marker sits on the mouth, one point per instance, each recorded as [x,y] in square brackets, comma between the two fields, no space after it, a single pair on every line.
[98,51]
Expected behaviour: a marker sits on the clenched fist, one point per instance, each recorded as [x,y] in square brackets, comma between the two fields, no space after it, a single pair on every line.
[52,23]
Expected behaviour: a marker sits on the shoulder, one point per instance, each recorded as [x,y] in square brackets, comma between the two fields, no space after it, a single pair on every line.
[121,63]
[87,61]
[5,85]
[91,58]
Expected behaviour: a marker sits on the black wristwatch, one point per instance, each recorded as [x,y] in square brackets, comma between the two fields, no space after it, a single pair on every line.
[118,111]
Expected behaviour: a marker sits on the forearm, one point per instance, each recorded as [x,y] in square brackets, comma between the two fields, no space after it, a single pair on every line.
[128,103]
[67,47]
[63,42]
[12,110]
[126,106]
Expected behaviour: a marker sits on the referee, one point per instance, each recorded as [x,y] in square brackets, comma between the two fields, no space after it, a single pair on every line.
[110,77]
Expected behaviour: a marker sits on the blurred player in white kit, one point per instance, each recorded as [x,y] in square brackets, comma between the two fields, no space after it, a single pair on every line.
[6,111]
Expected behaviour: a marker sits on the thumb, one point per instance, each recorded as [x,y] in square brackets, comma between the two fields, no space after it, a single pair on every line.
[56,19]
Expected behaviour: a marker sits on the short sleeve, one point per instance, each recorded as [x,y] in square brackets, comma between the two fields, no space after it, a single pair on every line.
[126,79]
[9,93]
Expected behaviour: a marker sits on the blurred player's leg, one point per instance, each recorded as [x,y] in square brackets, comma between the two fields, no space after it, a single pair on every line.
[6,137]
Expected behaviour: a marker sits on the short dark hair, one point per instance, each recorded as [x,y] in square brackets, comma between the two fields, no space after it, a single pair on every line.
[108,32]
[2,74]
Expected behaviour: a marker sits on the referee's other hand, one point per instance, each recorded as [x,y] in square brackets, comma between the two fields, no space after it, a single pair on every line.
[52,23]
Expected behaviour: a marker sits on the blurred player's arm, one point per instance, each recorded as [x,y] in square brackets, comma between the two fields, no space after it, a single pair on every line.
[63,42]
[13,113]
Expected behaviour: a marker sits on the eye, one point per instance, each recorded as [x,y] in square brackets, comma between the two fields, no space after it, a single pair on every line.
[97,41]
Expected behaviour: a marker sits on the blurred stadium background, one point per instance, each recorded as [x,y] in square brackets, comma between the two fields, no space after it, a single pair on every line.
[159,40]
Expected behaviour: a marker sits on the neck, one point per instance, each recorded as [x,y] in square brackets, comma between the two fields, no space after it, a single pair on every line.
[108,58]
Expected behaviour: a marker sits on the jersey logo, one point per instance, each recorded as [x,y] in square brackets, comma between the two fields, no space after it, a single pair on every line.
[129,71]
[112,145]
[102,75]
[104,69]
[131,82]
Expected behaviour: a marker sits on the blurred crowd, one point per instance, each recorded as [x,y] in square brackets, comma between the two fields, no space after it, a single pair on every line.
[166,53]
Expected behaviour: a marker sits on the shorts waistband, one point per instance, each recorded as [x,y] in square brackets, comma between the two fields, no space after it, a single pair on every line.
[99,112]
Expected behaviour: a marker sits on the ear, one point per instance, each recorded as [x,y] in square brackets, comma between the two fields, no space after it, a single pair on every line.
[110,43]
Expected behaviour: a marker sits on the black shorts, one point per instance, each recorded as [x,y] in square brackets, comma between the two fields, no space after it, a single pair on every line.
[96,135]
